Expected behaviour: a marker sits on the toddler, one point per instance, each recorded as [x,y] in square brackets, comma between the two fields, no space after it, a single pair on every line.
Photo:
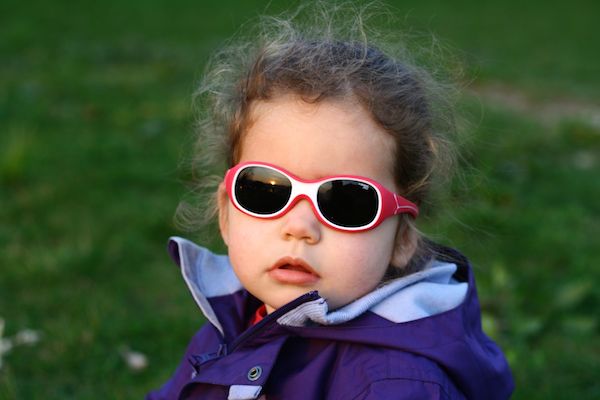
[328,290]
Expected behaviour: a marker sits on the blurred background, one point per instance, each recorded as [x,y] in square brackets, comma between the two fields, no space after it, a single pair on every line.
[96,118]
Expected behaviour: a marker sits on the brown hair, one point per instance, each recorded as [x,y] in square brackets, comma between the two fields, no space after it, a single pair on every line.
[318,61]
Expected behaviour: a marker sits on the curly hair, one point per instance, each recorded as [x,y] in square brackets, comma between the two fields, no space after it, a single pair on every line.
[330,55]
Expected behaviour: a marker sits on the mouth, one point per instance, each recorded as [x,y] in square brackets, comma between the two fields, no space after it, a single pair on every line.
[294,271]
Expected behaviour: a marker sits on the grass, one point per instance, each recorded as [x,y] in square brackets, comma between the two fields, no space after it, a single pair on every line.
[95,118]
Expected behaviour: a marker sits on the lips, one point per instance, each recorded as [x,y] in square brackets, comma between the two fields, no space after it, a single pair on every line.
[293,271]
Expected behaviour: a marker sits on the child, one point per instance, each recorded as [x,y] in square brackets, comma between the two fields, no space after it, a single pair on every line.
[328,290]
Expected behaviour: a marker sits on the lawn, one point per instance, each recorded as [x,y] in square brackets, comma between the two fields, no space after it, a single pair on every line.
[96,119]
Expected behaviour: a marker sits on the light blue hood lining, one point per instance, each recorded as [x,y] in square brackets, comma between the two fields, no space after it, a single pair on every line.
[419,295]
[206,275]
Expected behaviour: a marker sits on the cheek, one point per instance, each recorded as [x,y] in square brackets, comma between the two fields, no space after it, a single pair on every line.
[242,253]
[247,238]
[241,231]
[371,249]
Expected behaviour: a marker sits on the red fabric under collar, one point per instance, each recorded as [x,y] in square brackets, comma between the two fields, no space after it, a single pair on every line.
[260,313]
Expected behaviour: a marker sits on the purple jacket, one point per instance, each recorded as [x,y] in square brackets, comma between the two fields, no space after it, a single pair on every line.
[418,337]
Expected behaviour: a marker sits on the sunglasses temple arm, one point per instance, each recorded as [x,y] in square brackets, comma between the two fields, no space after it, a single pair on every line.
[405,206]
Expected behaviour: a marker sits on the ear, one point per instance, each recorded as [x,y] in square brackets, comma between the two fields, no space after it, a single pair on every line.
[405,245]
[223,205]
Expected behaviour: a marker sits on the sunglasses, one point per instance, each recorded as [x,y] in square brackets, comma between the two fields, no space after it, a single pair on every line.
[344,202]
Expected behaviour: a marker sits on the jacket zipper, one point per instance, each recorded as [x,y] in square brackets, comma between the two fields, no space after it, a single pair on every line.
[271,318]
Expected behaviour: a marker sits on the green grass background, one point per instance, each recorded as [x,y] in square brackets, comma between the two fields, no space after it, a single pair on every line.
[96,116]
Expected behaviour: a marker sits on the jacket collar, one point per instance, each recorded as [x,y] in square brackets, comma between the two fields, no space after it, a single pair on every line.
[425,293]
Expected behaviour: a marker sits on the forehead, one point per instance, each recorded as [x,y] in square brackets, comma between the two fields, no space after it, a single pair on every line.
[313,140]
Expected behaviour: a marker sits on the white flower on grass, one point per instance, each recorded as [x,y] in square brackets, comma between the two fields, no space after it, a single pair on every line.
[5,344]
[26,337]
[135,360]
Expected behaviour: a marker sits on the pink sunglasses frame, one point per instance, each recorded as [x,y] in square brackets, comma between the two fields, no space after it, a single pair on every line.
[389,203]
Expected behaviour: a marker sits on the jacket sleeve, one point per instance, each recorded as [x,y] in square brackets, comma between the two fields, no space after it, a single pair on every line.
[203,340]
[409,389]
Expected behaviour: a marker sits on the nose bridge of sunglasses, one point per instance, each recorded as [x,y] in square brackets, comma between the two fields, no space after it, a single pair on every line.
[304,189]
[303,204]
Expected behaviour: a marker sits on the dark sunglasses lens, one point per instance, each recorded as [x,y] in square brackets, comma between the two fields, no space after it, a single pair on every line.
[262,190]
[348,203]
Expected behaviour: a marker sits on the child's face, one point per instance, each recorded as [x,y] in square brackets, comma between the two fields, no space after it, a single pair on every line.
[277,260]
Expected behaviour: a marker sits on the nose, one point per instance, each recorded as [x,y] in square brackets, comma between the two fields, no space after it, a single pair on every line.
[301,223]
